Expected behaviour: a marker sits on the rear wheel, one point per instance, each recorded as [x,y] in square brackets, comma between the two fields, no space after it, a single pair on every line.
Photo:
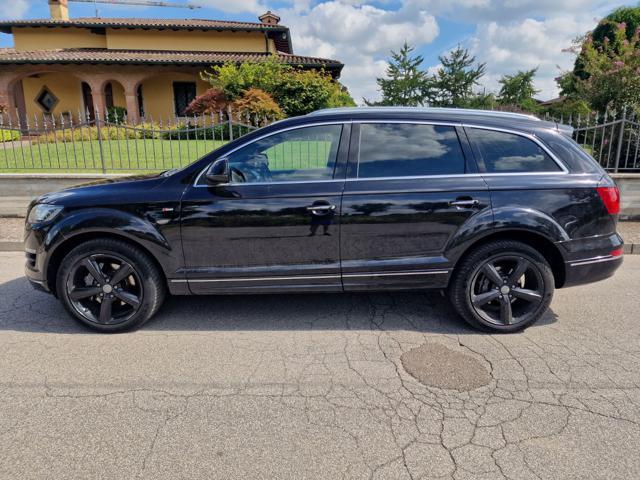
[110,285]
[502,286]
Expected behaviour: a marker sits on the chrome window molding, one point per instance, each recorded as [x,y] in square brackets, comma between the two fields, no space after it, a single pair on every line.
[196,183]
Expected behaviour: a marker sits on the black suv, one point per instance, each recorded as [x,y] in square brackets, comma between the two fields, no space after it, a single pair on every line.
[498,209]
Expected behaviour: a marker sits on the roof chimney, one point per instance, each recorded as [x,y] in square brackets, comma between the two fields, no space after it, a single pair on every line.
[59,9]
[269,18]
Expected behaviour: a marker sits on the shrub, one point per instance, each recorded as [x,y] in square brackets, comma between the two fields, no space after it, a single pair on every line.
[210,102]
[116,115]
[9,135]
[257,107]
[215,132]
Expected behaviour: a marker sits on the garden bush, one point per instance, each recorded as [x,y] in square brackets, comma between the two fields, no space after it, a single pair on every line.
[9,135]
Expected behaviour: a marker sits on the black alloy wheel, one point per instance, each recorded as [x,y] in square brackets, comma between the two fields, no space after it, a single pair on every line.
[110,285]
[502,286]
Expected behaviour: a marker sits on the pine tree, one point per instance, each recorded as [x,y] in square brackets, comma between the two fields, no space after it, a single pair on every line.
[518,89]
[405,84]
[452,85]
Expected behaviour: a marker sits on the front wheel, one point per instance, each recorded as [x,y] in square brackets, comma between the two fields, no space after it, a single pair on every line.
[502,286]
[110,285]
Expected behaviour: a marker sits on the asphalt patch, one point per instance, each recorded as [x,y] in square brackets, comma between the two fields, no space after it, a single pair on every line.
[435,365]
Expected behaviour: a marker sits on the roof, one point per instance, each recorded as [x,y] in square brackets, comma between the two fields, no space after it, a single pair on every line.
[146,23]
[159,57]
[503,120]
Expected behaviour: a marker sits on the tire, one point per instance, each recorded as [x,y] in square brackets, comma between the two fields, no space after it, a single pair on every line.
[503,286]
[90,288]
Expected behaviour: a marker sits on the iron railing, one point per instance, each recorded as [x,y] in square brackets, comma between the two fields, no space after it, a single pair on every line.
[105,143]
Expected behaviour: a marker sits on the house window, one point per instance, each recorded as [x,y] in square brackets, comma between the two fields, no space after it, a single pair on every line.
[183,94]
[46,100]
[140,101]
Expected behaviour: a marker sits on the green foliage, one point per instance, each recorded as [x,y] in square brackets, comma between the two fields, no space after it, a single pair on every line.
[9,135]
[518,90]
[143,131]
[630,16]
[483,101]
[453,83]
[256,106]
[405,83]
[567,107]
[116,114]
[340,97]
[296,91]
[187,131]
[609,73]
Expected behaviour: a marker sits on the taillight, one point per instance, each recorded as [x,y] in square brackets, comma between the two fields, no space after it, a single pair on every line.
[611,198]
[617,252]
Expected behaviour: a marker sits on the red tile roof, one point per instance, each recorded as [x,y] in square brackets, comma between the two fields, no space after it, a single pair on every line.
[161,23]
[104,56]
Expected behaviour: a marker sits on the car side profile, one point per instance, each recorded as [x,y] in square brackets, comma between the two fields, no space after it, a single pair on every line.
[496,209]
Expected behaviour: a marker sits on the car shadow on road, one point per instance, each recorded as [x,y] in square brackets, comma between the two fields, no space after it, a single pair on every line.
[26,310]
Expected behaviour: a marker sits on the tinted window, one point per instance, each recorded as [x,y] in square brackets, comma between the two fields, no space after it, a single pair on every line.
[307,153]
[406,150]
[502,152]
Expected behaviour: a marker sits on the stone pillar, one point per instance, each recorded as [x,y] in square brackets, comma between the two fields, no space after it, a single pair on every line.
[133,111]
[7,99]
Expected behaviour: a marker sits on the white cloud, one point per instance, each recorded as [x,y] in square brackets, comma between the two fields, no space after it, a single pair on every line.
[13,10]
[520,45]
[360,36]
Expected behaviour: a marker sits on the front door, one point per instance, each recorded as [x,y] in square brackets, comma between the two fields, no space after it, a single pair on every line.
[275,225]
[410,188]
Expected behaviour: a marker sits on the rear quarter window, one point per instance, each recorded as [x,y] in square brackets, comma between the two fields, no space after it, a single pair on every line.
[503,152]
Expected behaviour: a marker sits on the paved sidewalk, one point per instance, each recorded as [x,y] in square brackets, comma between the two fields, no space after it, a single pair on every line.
[11,230]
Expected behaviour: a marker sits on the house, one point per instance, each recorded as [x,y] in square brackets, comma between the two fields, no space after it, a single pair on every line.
[71,67]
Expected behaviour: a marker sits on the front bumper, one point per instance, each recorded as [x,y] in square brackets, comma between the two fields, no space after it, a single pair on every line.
[36,257]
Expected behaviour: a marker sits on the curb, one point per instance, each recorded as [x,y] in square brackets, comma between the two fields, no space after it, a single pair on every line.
[629,248]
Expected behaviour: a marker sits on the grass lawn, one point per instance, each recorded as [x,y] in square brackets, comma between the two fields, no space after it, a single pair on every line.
[119,155]
[143,155]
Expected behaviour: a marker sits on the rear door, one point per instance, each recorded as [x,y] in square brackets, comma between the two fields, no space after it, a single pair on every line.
[274,227]
[410,187]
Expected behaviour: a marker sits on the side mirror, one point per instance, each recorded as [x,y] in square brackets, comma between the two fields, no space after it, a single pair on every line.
[218,172]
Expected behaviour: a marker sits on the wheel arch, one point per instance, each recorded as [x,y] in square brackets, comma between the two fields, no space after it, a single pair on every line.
[70,243]
[547,248]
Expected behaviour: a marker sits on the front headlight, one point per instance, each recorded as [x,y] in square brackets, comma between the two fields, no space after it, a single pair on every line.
[42,213]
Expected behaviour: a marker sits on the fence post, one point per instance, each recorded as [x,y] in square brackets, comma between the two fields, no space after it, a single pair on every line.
[100,147]
[230,117]
[620,139]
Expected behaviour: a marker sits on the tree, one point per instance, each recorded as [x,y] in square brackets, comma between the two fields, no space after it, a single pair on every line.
[606,76]
[296,91]
[452,85]
[405,84]
[210,102]
[518,90]
[257,106]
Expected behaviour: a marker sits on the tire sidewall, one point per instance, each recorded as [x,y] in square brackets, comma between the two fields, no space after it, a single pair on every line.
[117,249]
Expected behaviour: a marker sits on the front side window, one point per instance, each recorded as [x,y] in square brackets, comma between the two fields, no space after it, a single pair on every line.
[302,154]
[502,152]
[408,150]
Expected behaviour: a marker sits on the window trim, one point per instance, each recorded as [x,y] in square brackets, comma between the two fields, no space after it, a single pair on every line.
[533,138]
[343,123]
[356,155]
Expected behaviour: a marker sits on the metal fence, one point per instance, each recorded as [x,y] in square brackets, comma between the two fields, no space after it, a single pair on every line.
[613,139]
[89,143]
[106,143]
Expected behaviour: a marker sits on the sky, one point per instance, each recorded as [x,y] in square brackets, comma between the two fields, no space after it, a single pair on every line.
[508,35]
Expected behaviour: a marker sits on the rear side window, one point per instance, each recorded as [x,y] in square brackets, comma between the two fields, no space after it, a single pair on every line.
[502,152]
[408,150]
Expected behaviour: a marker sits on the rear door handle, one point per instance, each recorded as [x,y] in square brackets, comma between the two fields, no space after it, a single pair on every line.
[321,209]
[464,203]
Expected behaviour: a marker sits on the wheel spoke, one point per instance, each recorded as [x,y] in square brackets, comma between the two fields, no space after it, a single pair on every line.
[123,272]
[84,292]
[492,274]
[128,298]
[94,269]
[105,310]
[526,294]
[506,315]
[484,298]
[518,271]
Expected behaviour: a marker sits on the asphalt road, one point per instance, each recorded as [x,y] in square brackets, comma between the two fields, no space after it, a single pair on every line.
[318,387]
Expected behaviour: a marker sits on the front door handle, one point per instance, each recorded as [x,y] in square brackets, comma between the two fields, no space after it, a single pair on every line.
[321,209]
[471,202]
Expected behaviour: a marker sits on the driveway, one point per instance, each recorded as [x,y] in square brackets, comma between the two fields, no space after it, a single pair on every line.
[318,387]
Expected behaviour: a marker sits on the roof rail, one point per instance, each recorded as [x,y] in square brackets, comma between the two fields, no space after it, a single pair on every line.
[464,111]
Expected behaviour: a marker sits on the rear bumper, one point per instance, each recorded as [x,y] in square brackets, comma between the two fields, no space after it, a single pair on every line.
[591,270]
